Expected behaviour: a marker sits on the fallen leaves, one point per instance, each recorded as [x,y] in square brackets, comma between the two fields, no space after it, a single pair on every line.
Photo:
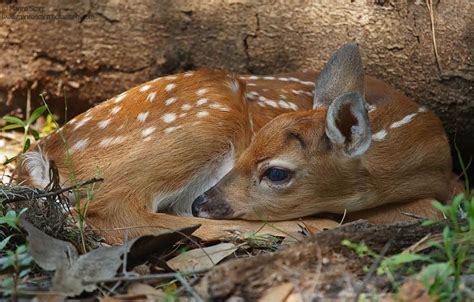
[75,274]
[201,259]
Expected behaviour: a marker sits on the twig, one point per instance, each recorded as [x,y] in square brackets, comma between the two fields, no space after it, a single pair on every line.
[429,4]
[54,193]
[413,247]
[28,103]
[343,217]
[186,285]
[414,215]
[372,269]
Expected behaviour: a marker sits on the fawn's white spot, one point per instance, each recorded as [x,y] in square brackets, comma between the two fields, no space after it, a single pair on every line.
[201,91]
[283,79]
[283,104]
[219,107]
[201,102]
[301,82]
[202,113]
[141,117]
[298,92]
[170,87]
[171,78]
[80,145]
[293,106]
[267,101]
[403,121]
[171,100]
[186,107]
[120,97]
[103,124]
[115,110]
[145,88]
[422,109]
[251,84]
[261,104]
[82,122]
[269,78]
[252,94]
[379,136]
[168,117]
[171,129]
[188,74]
[147,132]
[112,141]
[271,103]
[151,97]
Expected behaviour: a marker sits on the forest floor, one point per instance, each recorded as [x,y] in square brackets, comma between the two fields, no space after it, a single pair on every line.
[59,258]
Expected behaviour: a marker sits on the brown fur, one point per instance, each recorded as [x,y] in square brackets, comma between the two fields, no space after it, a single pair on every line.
[413,165]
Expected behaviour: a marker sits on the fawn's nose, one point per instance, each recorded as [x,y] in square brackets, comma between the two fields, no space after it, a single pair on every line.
[197,204]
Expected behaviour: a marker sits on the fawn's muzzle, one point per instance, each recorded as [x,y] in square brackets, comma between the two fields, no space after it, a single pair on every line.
[210,205]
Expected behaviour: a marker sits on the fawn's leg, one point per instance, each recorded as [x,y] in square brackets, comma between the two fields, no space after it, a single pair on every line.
[391,213]
[114,223]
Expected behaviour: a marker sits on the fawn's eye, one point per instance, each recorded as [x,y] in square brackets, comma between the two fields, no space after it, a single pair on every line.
[277,175]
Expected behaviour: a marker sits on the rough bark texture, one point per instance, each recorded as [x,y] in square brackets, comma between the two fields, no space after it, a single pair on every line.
[106,47]
[319,269]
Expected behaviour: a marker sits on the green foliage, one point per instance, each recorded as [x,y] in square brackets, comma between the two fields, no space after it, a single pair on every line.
[11,218]
[15,123]
[443,270]
[393,263]
[18,260]
[360,248]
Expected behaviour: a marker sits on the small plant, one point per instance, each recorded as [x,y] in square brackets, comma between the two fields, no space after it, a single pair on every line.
[19,260]
[443,271]
[14,122]
[16,261]
[361,249]
[444,278]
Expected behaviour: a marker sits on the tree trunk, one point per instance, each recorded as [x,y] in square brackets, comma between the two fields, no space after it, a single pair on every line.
[321,268]
[86,51]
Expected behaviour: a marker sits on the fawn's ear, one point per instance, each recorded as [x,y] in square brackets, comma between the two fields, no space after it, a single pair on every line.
[347,124]
[343,73]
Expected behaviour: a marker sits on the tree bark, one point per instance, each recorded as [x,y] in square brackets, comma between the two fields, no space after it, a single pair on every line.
[319,269]
[89,50]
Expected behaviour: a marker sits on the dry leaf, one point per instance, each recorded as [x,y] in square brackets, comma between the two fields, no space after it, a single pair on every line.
[48,252]
[411,290]
[202,258]
[277,293]
[294,297]
[100,264]
[145,289]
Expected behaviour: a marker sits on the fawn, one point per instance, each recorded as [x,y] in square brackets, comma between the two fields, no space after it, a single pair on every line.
[220,145]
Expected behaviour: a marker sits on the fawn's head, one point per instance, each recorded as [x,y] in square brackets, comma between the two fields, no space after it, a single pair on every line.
[301,163]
